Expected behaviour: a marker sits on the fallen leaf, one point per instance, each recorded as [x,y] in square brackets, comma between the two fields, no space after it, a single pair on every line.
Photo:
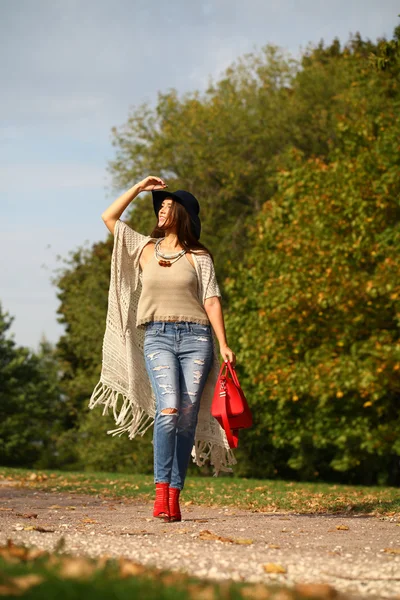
[205,534]
[13,553]
[27,515]
[55,506]
[256,592]
[25,582]
[283,594]
[76,568]
[321,591]
[3,508]
[188,503]
[206,521]
[40,528]
[16,586]
[201,591]
[88,521]
[273,546]
[169,579]
[71,507]
[182,531]
[127,568]
[34,553]
[9,590]
[342,527]
[208,535]
[274,568]
[392,550]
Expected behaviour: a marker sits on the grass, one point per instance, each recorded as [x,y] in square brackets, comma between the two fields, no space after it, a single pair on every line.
[36,574]
[250,494]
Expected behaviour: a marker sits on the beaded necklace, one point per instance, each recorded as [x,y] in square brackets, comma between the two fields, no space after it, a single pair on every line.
[166,260]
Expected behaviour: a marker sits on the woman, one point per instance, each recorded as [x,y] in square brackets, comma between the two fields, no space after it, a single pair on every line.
[164,285]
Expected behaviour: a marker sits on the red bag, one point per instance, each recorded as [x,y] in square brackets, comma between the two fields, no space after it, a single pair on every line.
[229,405]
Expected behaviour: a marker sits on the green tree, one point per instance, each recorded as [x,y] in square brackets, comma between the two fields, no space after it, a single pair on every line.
[315,307]
[387,56]
[31,404]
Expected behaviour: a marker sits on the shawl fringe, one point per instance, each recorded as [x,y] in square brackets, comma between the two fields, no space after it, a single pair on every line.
[220,458]
[130,417]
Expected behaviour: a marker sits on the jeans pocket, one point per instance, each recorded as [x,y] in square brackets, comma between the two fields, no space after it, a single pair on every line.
[201,330]
[152,332]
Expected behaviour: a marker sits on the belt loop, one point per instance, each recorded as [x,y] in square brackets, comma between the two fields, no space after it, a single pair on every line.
[163,327]
[187,326]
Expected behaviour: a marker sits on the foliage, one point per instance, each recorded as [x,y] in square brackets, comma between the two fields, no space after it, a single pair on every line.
[31,404]
[320,288]
[387,56]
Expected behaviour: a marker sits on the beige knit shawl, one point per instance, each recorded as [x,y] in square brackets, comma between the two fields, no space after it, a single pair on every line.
[124,384]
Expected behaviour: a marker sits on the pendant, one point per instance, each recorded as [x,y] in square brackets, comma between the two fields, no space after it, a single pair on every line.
[164,263]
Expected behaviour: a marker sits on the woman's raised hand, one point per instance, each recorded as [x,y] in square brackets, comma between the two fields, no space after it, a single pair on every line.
[152,183]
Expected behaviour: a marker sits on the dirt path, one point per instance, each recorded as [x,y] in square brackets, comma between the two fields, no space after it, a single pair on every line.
[361,558]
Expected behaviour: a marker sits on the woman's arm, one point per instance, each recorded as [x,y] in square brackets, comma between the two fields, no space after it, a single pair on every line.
[213,308]
[111,215]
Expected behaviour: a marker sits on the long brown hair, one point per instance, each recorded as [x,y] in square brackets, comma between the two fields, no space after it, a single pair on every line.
[179,217]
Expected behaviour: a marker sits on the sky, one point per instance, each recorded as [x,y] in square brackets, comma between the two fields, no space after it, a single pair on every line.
[70,70]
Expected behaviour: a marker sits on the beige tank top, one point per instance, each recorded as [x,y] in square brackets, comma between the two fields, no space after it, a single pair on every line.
[170,293]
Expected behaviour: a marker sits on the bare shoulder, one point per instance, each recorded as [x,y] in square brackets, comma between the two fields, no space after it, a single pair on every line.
[146,253]
[190,259]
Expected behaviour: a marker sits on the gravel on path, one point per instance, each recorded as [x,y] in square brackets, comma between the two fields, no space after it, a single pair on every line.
[356,554]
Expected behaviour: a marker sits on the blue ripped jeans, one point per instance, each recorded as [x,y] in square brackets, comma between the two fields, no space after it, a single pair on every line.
[178,358]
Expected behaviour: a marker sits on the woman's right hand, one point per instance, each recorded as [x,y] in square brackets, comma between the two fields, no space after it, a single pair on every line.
[152,183]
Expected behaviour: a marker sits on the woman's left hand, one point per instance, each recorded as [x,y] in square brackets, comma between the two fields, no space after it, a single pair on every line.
[228,354]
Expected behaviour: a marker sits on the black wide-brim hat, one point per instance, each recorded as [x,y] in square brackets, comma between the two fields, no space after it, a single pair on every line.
[187,200]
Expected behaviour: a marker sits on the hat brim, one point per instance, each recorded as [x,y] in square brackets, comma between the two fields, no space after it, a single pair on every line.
[160,195]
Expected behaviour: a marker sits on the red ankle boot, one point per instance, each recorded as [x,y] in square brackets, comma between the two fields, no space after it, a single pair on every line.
[161,508]
[174,509]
